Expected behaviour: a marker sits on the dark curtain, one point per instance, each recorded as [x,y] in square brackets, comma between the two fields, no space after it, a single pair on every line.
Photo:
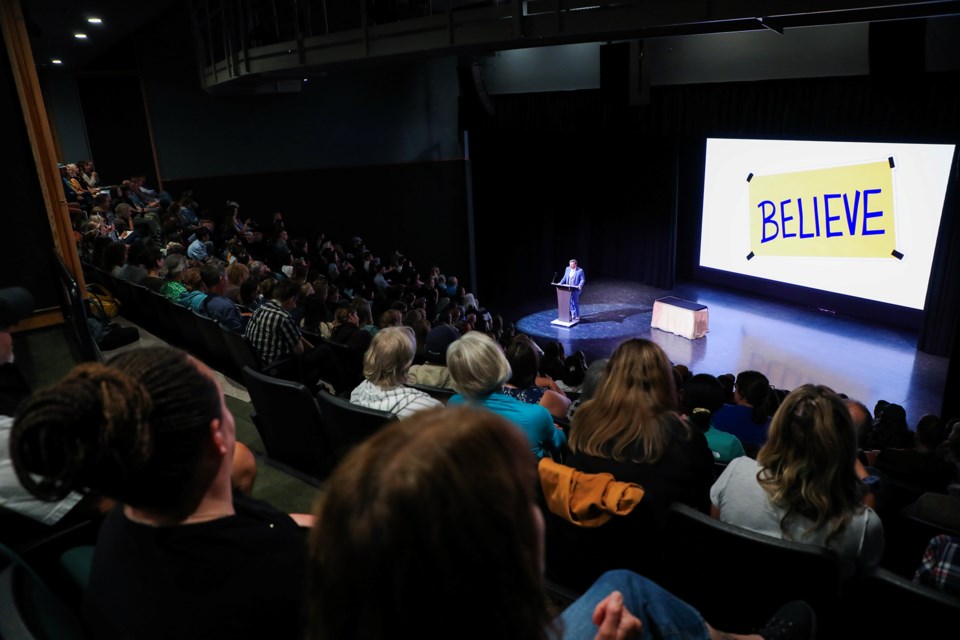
[942,306]
[542,199]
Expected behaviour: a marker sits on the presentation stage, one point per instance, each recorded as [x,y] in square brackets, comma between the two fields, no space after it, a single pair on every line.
[853,218]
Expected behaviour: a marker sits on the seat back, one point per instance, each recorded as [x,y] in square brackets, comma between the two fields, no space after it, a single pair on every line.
[189,331]
[881,604]
[240,350]
[288,420]
[737,578]
[163,307]
[437,393]
[346,425]
[576,556]
[216,347]
[28,608]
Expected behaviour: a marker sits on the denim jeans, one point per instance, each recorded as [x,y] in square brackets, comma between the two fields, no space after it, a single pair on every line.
[663,614]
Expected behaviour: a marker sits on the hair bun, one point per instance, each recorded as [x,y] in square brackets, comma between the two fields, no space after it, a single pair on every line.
[60,432]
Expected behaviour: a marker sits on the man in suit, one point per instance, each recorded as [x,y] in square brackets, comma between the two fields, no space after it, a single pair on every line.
[574,276]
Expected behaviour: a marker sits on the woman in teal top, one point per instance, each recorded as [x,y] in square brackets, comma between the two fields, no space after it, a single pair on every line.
[478,368]
[702,396]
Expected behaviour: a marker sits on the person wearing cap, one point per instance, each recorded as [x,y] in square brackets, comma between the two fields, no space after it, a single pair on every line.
[434,372]
[573,275]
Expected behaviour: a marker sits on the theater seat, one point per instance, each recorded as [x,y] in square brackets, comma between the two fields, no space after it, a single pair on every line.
[737,578]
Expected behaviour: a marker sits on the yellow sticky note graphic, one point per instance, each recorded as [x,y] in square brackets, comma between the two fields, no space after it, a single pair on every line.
[843,211]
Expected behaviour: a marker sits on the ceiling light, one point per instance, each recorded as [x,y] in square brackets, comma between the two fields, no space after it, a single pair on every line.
[57,61]
[80,36]
[94,20]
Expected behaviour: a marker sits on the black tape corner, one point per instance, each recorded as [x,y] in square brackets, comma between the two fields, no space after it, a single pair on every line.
[892,163]
[896,254]
[750,255]
[749,177]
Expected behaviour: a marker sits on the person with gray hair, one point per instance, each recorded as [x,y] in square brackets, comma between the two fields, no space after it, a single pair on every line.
[591,382]
[385,366]
[173,268]
[479,368]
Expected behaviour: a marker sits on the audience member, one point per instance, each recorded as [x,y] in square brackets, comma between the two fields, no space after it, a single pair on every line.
[524,359]
[152,431]
[803,485]
[173,268]
[631,429]
[478,369]
[479,573]
[702,397]
[920,466]
[385,367]
[434,372]
[215,305]
[591,382]
[749,417]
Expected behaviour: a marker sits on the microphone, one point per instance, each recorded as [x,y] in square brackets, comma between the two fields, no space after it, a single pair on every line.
[553,280]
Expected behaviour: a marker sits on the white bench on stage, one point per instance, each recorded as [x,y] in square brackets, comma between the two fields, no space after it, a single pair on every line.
[681,317]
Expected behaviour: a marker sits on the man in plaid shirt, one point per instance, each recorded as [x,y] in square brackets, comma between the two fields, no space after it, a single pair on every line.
[940,568]
[272,330]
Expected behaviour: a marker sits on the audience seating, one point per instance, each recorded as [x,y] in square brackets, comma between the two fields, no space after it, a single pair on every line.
[907,538]
[437,393]
[346,425]
[881,604]
[28,607]
[289,423]
[577,556]
[737,578]
[40,596]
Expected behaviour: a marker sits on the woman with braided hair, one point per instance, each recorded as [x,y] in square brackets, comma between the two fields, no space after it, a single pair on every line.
[181,555]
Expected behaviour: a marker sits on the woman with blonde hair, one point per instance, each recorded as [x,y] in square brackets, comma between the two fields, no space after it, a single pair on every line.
[803,485]
[632,430]
[385,366]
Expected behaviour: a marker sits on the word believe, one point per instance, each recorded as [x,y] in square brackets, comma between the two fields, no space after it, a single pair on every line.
[791,209]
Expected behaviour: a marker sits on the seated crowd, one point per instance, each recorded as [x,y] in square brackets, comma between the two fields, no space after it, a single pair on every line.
[436,523]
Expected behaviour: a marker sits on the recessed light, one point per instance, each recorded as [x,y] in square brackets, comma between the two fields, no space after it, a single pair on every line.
[80,36]
[57,61]
[94,20]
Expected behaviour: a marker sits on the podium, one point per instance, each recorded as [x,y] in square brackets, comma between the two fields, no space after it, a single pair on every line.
[563,305]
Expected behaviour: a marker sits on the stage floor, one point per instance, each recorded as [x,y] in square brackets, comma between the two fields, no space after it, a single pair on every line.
[791,344]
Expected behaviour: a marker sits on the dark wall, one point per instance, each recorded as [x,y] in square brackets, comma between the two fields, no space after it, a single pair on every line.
[357,117]
[117,127]
[26,243]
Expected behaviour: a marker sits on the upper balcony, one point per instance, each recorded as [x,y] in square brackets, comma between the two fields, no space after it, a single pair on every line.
[243,44]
